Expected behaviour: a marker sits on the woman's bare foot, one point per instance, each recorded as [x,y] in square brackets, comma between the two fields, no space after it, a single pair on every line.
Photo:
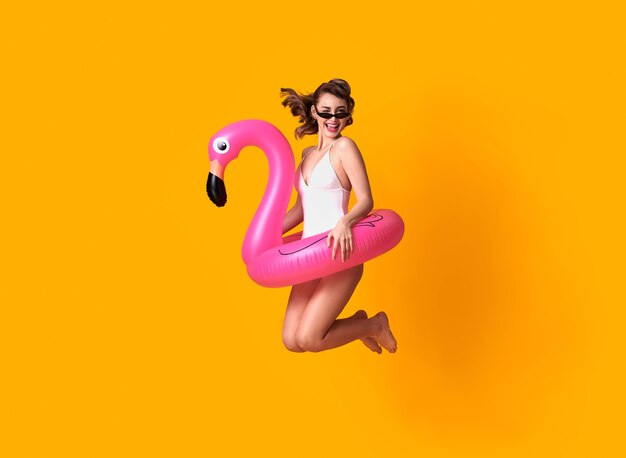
[369,342]
[384,336]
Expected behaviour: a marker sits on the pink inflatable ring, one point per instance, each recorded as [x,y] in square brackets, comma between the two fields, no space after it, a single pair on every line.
[272,260]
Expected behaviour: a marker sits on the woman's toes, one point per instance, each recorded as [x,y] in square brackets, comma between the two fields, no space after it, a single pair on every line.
[372,344]
[386,338]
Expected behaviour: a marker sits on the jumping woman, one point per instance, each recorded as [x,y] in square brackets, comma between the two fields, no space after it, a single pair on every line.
[326,175]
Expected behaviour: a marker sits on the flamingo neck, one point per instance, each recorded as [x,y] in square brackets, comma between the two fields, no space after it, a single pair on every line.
[265,230]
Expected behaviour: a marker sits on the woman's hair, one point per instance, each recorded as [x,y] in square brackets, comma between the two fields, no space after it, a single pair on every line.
[300,104]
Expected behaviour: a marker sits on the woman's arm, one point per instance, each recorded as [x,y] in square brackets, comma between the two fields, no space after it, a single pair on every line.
[354,166]
[294,216]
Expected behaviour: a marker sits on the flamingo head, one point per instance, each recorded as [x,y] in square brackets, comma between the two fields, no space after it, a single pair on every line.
[223,148]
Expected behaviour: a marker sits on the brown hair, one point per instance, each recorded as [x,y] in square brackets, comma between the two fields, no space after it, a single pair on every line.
[300,104]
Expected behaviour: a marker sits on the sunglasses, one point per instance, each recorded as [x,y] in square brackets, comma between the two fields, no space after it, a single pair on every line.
[338,115]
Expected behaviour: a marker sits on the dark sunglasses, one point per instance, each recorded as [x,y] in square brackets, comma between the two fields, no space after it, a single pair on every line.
[339,115]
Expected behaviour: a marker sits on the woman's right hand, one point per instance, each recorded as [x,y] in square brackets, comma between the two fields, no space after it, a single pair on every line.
[341,235]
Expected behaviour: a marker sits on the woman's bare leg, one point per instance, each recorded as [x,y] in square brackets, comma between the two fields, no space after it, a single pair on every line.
[298,299]
[319,328]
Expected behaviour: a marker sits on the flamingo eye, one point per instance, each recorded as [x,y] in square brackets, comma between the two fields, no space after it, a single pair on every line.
[221,145]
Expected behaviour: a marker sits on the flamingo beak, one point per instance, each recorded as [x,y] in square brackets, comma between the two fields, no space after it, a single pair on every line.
[215,184]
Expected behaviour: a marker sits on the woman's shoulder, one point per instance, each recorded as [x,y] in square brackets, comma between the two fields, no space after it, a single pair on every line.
[345,142]
[345,146]
[306,150]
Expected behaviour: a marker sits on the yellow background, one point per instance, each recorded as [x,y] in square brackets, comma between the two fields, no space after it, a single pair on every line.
[129,325]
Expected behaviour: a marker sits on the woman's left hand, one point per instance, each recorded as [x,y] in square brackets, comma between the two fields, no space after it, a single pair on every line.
[342,236]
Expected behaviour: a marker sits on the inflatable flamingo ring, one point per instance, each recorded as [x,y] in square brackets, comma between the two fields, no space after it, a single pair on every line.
[272,260]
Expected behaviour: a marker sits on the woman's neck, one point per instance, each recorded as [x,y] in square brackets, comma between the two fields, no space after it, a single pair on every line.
[324,142]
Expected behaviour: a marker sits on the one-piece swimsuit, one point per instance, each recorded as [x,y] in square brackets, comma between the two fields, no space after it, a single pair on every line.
[324,199]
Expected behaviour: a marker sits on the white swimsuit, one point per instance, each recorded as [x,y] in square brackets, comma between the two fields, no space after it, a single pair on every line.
[324,200]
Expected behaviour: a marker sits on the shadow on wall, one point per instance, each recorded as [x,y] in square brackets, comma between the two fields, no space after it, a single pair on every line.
[487,344]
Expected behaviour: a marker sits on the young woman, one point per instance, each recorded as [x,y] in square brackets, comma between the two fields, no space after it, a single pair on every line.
[327,173]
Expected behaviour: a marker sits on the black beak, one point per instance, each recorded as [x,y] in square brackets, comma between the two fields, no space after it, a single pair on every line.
[216,190]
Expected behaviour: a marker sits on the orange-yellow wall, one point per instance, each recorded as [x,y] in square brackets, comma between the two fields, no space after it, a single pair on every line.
[129,325]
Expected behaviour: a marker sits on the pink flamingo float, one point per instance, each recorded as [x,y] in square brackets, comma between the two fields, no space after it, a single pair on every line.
[271,259]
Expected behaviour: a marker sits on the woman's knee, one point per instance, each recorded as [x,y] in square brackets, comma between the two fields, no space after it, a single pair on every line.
[308,341]
[291,343]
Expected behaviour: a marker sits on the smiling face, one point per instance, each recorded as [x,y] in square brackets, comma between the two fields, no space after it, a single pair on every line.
[329,103]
